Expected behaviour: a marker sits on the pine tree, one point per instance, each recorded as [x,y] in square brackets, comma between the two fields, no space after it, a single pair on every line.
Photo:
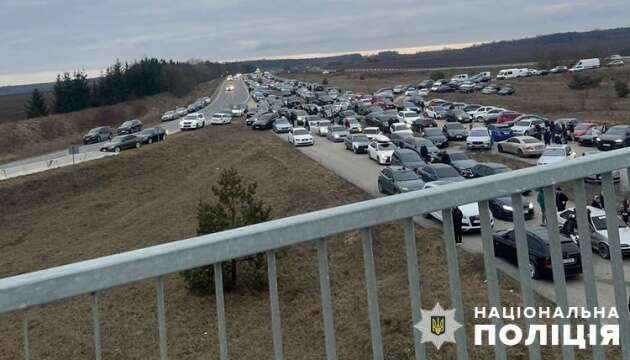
[36,106]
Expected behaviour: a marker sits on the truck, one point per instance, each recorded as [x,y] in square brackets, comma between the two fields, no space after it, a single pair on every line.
[585,64]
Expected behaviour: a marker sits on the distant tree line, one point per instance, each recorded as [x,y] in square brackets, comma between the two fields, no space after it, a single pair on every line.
[123,82]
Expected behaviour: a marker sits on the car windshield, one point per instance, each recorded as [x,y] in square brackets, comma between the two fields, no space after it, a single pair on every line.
[282,121]
[405,175]
[94,131]
[360,138]
[599,222]
[118,139]
[385,146]
[300,113]
[409,156]
[128,123]
[432,132]
[147,132]
[458,156]
[324,123]
[616,131]
[456,126]
[478,132]
[446,172]
[554,152]
[370,131]
[300,132]
[195,116]
[338,128]
[530,140]
[523,123]
[266,117]
[409,114]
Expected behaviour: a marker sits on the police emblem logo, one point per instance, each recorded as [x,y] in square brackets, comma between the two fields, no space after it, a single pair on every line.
[437,326]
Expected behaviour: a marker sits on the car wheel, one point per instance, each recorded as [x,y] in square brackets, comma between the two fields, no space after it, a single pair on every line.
[603,250]
[533,271]
[98,138]
[526,133]
[520,153]
[138,145]
[500,148]
[354,150]
[117,149]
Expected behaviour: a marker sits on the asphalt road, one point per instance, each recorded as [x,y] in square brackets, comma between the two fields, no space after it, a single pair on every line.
[221,101]
[363,172]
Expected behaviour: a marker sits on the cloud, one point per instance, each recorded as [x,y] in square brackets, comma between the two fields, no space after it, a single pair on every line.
[45,35]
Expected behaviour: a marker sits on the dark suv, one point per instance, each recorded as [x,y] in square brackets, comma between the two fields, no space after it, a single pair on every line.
[97,135]
[615,138]
[130,127]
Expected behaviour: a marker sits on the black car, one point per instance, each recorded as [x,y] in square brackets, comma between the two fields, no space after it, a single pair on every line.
[505,90]
[97,135]
[539,252]
[407,158]
[122,142]
[150,135]
[458,115]
[454,131]
[409,106]
[487,169]
[458,160]
[436,136]
[417,126]
[502,208]
[397,179]
[347,114]
[399,138]
[416,144]
[435,172]
[615,138]
[129,127]
[265,121]
[357,143]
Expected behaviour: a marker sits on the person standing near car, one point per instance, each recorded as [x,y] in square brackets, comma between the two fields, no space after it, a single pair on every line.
[561,200]
[547,136]
[458,217]
[624,210]
[598,202]
[541,202]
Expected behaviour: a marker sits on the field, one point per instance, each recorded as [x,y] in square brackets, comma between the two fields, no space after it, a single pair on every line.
[149,196]
[548,96]
[24,138]
[13,107]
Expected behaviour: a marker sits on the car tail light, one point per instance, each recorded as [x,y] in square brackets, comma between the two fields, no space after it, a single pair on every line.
[547,261]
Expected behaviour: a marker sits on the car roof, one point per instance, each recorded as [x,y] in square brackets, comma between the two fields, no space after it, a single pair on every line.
[405,151]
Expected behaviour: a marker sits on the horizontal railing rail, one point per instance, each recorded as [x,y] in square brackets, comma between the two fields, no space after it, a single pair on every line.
[41,287]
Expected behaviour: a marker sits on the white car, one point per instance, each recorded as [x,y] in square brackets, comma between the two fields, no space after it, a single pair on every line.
[526,127]
[479,138]
[192,121]
[372,132]
[407,117]
[320,127]
[399,127]
[169,115]
[423,92]
[381,151]
[480,113]
[556,153]
[300,137]
[410,91]
[470,220]
[221,118]
[599,230]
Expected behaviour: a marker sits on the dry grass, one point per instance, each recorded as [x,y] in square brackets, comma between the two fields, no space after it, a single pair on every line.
[19,139]
[149,196]
[13,106]
[548,96]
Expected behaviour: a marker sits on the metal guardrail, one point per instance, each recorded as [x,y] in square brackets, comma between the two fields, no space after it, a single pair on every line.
[93,276]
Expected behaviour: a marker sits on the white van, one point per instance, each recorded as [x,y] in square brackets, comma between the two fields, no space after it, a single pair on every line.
[460,77]
[508,74]
[585,64]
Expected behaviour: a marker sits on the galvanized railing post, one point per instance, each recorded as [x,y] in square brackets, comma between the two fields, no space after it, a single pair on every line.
[557,261]
[616,260]
[327,310]
[276,325]
[490,266]
[584,234]
[522,254]
[221,325]
[370,279]
[454,281]
[96,325]
[161,317]
[414,285]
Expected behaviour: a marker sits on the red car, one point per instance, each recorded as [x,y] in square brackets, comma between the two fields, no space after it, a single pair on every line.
[507,116]
[582,128]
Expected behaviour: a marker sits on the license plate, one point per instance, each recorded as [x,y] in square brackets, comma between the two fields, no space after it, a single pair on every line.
[568,260]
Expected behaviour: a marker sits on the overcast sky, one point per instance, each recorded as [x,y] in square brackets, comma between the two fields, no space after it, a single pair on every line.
[39,38]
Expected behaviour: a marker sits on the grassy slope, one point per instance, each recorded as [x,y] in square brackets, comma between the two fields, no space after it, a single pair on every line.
[30,137]
[548,96]
[148,196]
